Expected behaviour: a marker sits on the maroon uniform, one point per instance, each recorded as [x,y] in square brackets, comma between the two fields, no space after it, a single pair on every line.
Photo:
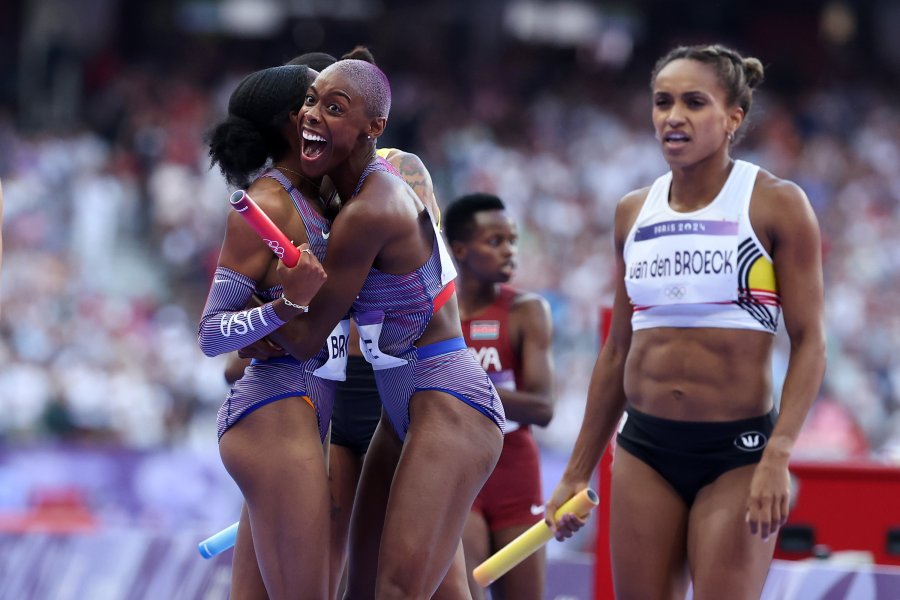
[512,494]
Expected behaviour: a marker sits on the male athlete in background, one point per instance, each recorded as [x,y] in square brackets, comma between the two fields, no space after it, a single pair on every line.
[510,332]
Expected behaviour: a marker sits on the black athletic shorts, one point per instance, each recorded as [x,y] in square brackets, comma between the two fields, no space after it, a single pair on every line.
[357,407]
[690,455]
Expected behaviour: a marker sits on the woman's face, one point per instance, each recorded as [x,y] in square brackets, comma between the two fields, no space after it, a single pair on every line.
[333,120]
[690,114]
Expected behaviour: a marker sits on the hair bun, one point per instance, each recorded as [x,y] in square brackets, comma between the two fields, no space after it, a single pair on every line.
[754,72]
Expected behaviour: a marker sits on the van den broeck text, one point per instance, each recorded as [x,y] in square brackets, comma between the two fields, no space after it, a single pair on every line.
[684,262]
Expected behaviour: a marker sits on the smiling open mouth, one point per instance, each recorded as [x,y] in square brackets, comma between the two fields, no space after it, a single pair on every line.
[313,144]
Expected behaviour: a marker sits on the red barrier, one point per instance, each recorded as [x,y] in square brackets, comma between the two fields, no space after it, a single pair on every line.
[847,506]
[63,510]
[603,582]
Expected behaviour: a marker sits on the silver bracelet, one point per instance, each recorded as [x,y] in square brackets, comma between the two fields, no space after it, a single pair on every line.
[300,307]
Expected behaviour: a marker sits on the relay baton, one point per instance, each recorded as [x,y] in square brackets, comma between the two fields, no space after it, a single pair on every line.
[219,542]
[263,225]
[536,536]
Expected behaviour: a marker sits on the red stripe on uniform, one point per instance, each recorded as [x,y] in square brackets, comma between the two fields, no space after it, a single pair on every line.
[444,295]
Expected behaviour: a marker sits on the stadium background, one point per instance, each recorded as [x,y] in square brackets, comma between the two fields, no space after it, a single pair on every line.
[113,218]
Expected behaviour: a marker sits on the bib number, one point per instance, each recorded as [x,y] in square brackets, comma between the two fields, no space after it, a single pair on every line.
[369,325]
[335,367]
[448,269]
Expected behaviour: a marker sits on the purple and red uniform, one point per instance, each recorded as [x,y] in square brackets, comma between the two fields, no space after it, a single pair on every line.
[512,494]
[392,312]
[227,326]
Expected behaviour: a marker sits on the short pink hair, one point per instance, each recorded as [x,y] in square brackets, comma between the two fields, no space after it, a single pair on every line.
[369,80]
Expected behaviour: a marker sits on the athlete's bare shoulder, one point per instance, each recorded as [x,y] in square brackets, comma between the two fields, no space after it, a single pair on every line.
[272,198]
[633,200]
[414,172]
[529,316]
[779,206]
[627,210]
[530,303]
[774,194]
[772,188]
[383,200]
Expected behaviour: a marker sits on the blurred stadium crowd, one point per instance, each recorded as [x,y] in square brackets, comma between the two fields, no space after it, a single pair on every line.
[113,218]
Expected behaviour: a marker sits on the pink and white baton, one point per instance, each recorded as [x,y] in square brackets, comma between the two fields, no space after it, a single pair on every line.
[263,225]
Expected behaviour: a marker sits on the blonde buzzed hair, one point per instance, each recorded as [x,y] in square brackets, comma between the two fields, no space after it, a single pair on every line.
[371,82]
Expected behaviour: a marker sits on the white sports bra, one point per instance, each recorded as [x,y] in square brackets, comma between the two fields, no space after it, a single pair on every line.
[704,268]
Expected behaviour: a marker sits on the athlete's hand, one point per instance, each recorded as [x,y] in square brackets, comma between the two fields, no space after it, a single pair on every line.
[770,496]
[568,523]
[303,280]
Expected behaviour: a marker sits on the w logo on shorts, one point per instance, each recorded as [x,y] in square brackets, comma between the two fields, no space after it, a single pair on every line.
[750,441]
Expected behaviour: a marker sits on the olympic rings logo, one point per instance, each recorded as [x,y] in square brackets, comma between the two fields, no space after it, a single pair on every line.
[675,292]
[275,247]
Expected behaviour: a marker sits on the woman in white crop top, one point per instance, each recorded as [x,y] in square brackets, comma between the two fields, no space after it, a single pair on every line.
[708,259]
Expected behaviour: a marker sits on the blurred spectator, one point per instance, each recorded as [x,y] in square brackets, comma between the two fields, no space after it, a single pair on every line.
[111,230]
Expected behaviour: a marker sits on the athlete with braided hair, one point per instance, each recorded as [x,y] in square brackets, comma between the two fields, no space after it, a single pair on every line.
[275,417]
[708,258]
[357,405]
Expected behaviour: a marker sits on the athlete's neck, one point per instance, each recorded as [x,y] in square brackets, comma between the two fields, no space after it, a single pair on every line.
[695,186]
[346,175]
[309,187]
[474,295]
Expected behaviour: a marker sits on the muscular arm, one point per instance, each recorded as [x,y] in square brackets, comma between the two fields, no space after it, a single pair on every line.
[226,324]
[533,403]
[606,391]
[796,252]
[414,173]
[358,234]
[791,227]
